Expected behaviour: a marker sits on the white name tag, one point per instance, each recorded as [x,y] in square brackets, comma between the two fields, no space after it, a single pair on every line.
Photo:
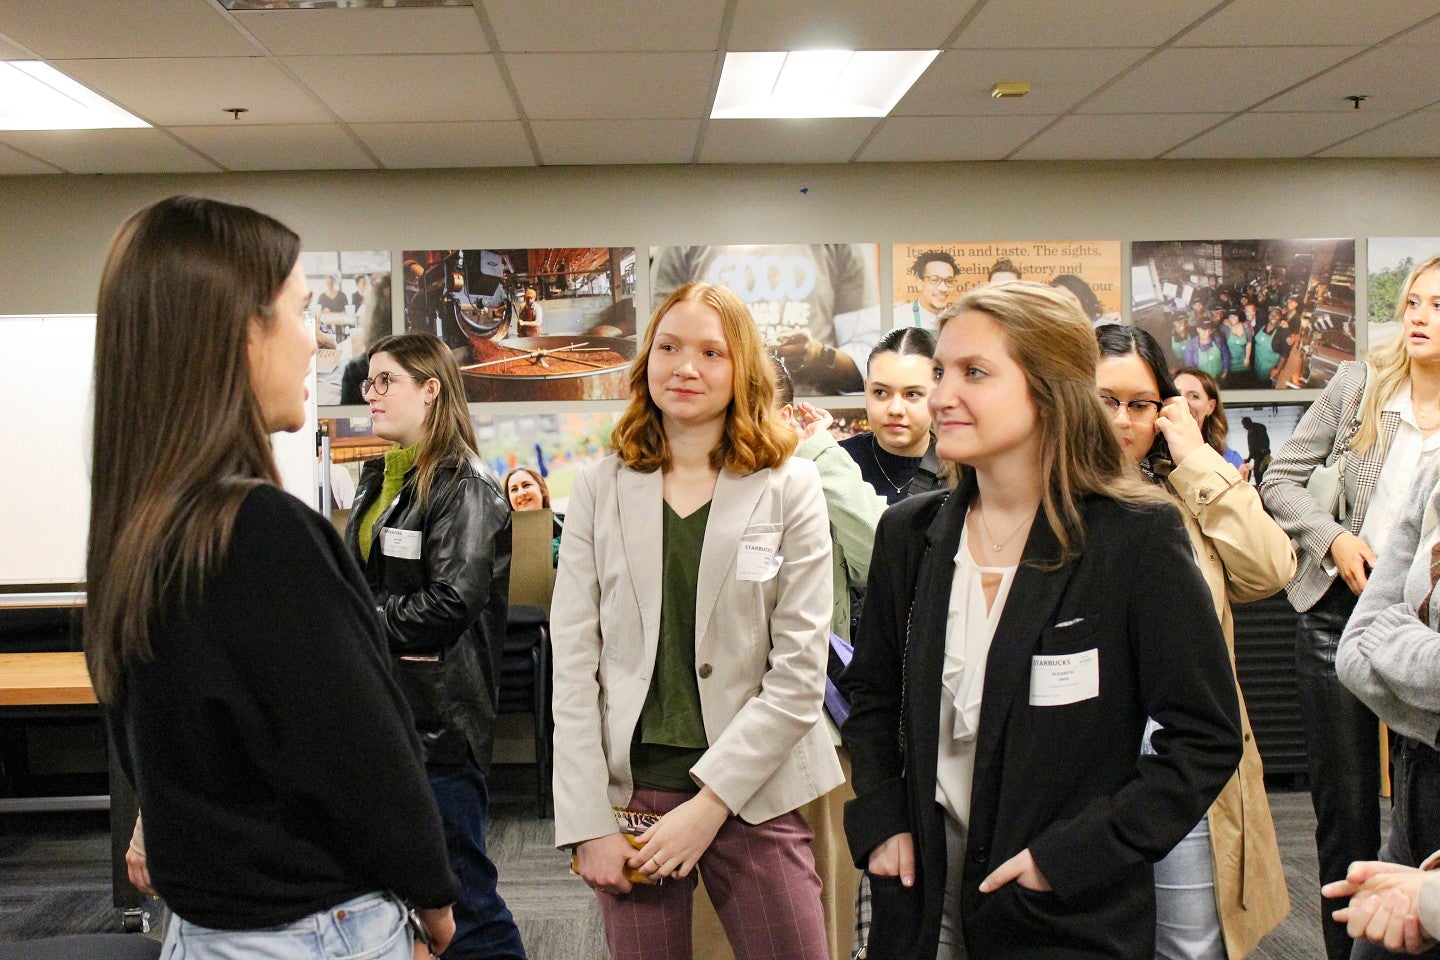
[1056,681]
[757,562]
[404,544]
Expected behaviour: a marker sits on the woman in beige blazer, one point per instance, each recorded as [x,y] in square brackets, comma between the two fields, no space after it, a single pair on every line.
[690,648]
[1243,555]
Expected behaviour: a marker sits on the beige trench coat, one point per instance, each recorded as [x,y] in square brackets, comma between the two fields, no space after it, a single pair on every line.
[1244,555]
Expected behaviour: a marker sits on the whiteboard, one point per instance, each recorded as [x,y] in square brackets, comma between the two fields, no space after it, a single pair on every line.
[44,448]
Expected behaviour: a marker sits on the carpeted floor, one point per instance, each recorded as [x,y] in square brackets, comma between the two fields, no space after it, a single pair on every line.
[54,877]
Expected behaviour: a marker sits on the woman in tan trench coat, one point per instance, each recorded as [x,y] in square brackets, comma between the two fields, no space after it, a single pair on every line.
[1244,556]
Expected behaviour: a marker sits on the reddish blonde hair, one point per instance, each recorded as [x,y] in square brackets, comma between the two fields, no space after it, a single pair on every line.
[753,438]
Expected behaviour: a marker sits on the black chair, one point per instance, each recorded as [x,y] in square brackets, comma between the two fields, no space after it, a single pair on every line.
[93,946]
[525,687]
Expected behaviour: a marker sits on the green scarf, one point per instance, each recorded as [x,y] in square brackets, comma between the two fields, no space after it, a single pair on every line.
[397,463]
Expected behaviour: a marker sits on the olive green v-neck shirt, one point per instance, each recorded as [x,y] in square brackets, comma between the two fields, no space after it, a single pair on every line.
[670,737]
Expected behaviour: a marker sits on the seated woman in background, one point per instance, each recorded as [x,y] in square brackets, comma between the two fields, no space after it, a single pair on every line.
[373,319]
[1003,806]
[897,455]
[228,632]
[1223,887]
[526,489]
[430,529]
[1202,395]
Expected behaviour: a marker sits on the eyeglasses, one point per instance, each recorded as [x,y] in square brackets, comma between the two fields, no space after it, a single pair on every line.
[1140,411]
[381,384]
[947,282]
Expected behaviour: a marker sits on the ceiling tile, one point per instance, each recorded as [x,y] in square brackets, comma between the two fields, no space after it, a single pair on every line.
[1128,136]
[1412,136]
[1427,35]
[185,91]
[959,81]
[784,141]
[566,142]
[1274,135]
[407,88]
[1397,79]
[843,24]
[950,138]
[9,51]
[442,145]
[571,26]
[1210,80]
[110,151]
[296,146]
[1259,23]
[612,86]
[367,30]
[13,162]
[83,29]
[1110,23]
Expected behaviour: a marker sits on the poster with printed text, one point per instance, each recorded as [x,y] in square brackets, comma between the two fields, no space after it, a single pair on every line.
[817,305]
[1254,314]
[1390,262]
[930,276]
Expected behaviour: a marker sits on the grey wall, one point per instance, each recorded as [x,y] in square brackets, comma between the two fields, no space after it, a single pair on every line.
[55,229]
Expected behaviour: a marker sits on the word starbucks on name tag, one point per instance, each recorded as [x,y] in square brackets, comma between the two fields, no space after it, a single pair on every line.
[757,562]
[404,544]
[1069,678]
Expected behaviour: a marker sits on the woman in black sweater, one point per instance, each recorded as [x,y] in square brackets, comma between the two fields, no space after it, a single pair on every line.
[228,631]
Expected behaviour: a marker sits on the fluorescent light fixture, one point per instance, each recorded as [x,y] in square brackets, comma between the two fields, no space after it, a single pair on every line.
[36,96]
[816,83]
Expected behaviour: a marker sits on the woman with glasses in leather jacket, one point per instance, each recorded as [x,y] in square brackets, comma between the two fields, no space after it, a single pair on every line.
[431,530]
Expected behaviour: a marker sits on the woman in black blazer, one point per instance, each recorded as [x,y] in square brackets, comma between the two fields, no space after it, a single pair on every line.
[996,738]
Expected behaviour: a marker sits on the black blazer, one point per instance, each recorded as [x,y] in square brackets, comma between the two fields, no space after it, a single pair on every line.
[1068,782]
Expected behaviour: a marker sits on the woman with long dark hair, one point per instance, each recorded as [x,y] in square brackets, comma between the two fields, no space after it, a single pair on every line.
[1379,421]
[1029,622]
[431,530]
[690,649]
[896,455]
[1223,887]
[228,632]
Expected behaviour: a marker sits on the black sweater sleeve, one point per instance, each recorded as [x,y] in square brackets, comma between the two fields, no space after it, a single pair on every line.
[317,709]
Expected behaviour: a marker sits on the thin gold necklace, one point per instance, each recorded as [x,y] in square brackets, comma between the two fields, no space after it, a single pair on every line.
[876,444]
[990,537]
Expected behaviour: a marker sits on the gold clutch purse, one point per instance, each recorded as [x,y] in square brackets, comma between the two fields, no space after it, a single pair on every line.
[632,823]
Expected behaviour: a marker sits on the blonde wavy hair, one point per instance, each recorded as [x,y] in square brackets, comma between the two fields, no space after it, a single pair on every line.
[1389,370]
[1054,344]
[753,438]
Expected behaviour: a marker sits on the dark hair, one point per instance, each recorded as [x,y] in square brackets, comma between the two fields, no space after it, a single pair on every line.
[784,386]
[1216,427]
[1120,340]
[907,342]
[1089,303]
[1004,265]
[180,439]
[932,256]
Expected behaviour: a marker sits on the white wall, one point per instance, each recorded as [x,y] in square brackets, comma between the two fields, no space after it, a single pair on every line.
[54,230]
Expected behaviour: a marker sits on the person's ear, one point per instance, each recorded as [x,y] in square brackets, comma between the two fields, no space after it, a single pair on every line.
[430,390]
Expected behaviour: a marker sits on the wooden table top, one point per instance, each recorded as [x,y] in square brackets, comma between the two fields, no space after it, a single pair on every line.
[44,679]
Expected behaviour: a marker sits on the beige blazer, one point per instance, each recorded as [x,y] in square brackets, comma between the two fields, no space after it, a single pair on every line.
[1244,555]
[760,647]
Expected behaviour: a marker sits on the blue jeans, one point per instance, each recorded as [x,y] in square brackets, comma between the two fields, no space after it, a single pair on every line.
[371,927]
[484,927]
[1343,742]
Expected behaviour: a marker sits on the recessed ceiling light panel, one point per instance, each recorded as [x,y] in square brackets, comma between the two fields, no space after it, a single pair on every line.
[36,96]
[816,83]
[335,4]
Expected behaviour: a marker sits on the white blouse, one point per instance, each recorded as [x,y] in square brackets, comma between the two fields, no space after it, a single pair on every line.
[969,629]
[1410,452]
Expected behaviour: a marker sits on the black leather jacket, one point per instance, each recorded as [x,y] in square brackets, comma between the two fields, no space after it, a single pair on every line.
[443,598]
